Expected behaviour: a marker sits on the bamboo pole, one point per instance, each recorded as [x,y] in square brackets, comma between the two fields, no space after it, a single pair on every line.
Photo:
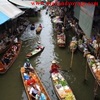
[86,72]
[95,88]
[71,59]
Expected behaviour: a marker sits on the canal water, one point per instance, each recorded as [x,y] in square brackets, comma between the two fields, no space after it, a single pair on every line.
[11,87]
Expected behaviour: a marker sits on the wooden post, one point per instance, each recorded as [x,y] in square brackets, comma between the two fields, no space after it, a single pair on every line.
[95,88]
[86,72]
[71,59]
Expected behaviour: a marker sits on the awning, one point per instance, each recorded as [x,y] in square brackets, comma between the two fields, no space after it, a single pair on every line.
[24,3]
[9,9]
[3,18]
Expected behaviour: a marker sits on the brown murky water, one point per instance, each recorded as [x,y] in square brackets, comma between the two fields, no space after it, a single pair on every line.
[11,87]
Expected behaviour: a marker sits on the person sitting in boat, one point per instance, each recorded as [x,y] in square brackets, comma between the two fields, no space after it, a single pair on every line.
[16,40]
[40,25]
[6,60]
[35,91]
[42,97]
[28,66]
[32,26]
[26,76]
[54,67]
[14,49]
[38,47]
[30,82]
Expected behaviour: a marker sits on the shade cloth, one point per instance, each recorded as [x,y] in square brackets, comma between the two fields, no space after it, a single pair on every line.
[3,18]
[9,9]
[24,3]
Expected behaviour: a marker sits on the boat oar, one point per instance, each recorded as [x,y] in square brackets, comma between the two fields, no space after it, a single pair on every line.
[71,59]
[86,72]
[85,79]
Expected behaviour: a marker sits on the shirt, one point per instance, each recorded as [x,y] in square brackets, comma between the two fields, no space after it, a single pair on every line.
[30,81]
[32,90]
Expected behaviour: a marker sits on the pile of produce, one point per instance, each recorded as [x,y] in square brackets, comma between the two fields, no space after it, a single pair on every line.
[95,64]
[62,87]
[73,44]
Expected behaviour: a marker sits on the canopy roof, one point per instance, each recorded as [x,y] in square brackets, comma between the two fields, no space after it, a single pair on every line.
[3,18]
[24,3]
[9,9]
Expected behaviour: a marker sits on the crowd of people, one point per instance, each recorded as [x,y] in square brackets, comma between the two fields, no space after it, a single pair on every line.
[10,54]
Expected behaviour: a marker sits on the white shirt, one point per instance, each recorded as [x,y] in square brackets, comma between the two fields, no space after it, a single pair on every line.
[29,66]
[16,40]
[32,90]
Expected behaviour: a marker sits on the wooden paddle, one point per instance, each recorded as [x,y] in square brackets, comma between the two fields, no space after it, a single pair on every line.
[71,59]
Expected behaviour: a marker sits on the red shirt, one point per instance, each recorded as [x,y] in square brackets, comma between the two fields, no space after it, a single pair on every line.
[31,81]
[54,68]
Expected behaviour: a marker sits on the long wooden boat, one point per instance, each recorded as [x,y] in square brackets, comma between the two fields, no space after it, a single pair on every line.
[61,87]
[33,74]
[73,46]
[94,66]
[6,64]
[35,51]
[61,40]
[38,30]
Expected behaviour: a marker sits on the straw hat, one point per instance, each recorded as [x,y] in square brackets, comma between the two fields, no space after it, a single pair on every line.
[53,61]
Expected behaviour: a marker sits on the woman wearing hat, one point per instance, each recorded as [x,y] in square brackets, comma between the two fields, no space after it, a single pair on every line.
[54,67]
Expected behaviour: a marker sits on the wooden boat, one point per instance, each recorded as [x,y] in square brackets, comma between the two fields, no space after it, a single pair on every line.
[61,87]
[35,51]
[73,44]
[81,45]
[94,66]
[6,64]
[38,30]
[34,74]
[61,40]
[5,46]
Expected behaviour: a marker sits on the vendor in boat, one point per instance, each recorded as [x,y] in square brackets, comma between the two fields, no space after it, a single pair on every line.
[32,26]
[27,65]
[86,52]
[54,67]
[40,25]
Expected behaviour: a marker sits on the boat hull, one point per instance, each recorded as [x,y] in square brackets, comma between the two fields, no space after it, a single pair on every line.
[43,90]
[4,67]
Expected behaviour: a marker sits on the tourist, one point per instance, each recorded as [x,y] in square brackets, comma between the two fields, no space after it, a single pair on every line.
[35,91]
[26,76]
[30,81]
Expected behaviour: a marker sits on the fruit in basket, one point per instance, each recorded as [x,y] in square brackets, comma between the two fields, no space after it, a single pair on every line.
[69,96]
